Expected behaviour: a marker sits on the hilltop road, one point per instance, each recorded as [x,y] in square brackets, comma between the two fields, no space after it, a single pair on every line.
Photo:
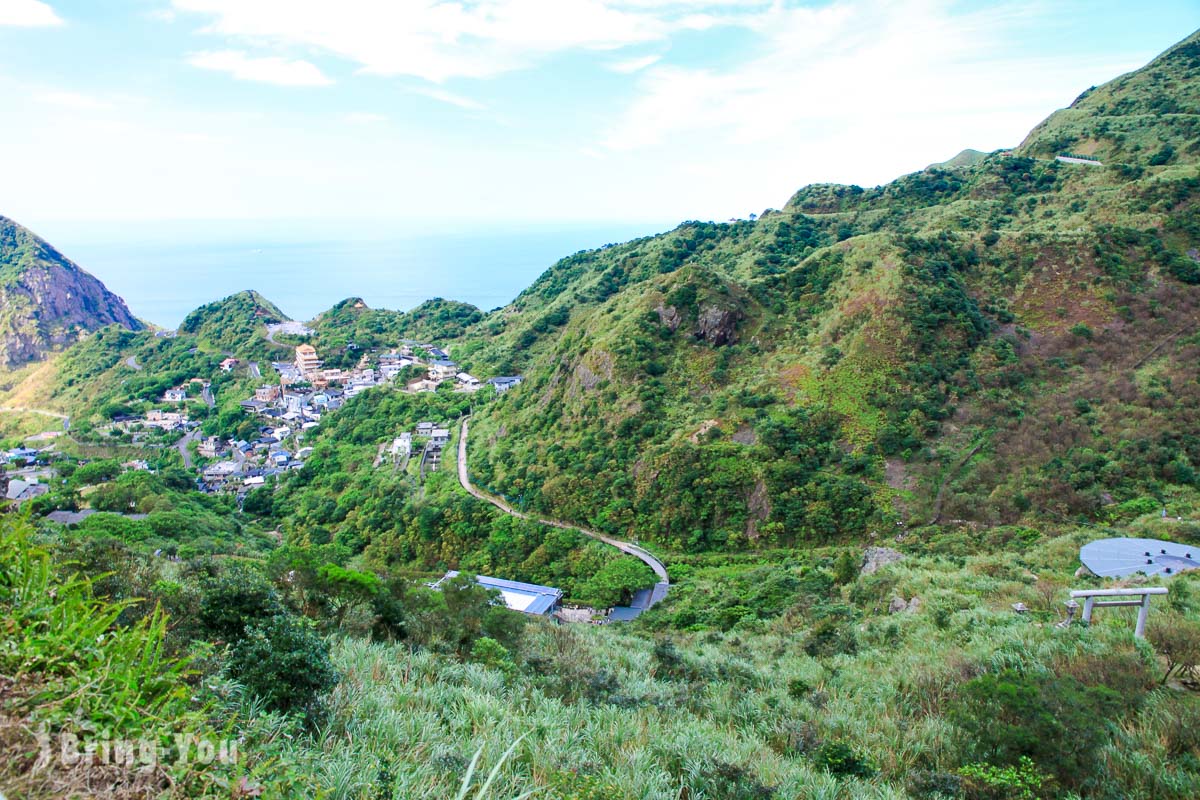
[625,547]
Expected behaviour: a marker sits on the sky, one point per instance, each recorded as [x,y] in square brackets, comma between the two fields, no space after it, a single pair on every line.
[445,114]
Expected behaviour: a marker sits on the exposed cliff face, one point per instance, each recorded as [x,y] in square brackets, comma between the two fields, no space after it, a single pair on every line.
[47,301]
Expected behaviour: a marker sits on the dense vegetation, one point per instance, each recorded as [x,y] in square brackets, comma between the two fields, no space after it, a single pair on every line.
[1007,340]
[983,365]
[236,324]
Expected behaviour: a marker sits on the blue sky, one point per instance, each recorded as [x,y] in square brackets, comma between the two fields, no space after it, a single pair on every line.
[523,110]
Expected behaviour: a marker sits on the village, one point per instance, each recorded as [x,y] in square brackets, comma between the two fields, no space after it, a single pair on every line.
[286,412]
[307,390]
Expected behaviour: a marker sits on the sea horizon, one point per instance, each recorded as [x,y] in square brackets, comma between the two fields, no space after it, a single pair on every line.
[164,271]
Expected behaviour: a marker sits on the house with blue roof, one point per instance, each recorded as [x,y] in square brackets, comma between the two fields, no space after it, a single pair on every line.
[528,598]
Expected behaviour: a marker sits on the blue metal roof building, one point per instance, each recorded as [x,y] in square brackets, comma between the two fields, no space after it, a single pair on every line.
[1116,558]
[529,598]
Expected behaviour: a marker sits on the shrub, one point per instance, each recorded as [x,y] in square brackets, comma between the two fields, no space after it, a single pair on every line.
[236,597]
[1177,640]
[1082,331]
[988,782]
[1057,721]
[831,637]
[284,662]
[839,758]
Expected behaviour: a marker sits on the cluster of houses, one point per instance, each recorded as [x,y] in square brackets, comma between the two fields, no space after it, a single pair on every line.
[166,420]
[243,465]
[19,490]
[435,438]
[287,410]
[306,383]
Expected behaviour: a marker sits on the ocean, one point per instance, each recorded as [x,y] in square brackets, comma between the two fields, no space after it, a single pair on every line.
[165,271]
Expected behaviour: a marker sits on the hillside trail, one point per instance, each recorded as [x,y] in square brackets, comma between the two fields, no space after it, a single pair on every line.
[625,547]
[40,411]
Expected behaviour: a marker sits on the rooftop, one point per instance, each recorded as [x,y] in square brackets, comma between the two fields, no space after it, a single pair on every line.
[518,596]
[1116,558]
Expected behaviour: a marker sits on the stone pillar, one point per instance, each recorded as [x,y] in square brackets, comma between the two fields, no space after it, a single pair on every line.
[1088,602]
[1143,610]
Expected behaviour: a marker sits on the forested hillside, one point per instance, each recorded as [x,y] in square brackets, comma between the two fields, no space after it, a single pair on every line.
[1003,340]
[867,434]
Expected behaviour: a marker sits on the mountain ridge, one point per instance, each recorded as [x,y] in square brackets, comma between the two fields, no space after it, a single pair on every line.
[817,372]
[47,301]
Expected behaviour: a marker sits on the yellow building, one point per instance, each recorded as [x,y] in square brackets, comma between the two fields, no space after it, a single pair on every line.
[306,359]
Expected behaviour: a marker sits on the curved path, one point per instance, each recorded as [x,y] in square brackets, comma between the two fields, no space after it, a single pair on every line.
[66,420]
[625,547]
[43,412]
[131,362]
[182,446]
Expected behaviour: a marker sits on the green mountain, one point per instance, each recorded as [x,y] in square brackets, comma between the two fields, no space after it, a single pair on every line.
[966,158]
[1150,117]
[1013,339]
[236,324]
[1002,355]
[352,322]
[47,302]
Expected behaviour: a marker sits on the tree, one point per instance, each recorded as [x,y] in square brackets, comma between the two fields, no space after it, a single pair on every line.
[283,661]
[260,503]
[348,588]
[845,569]
[467,605]
[489,652]
[1177,639]
[615,581]
[235,598]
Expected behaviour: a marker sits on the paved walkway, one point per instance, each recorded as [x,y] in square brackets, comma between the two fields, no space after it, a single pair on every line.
[625,547]
[182,446]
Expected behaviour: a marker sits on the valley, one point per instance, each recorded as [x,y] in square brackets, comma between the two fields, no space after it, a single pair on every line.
[831,468]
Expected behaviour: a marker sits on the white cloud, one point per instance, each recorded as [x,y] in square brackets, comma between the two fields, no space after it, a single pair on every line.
[27,14]
[438,40]
[631,65]
[859,79]
[363,118]
[73,100]
[265,69]
[452,99]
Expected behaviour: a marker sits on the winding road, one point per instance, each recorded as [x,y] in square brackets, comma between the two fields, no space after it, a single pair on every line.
[625,547]
[182,446]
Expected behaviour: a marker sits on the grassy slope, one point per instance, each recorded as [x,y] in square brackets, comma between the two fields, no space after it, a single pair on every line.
[1148,117]
[948,307]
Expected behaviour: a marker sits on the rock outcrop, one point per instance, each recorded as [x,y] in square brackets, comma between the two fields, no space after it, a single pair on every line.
[876,557]
[717,325]
[47,302]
